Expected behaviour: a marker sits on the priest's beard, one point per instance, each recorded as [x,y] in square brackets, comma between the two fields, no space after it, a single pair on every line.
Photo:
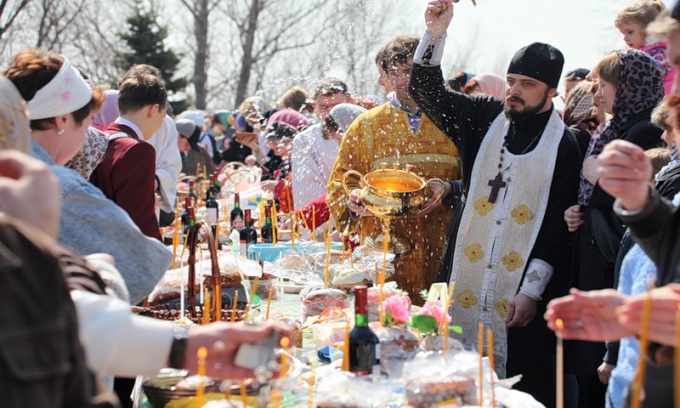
[524,112]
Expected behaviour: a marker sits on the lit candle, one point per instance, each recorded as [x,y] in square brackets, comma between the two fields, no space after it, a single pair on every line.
[243,393]
[285,343]
[233,307]
[644,341]
[202,354]
[269,302]
[559,375]
[206,308]
[345,349]
[314,222]
[677,358]
[489,346]
[276,399]
[480,346]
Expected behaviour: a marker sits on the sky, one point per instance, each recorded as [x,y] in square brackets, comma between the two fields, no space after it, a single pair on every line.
[582,29]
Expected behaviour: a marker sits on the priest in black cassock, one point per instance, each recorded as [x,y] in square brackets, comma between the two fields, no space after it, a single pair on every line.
[508,248]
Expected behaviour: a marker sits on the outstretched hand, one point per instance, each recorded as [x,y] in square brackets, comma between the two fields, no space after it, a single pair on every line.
[590,316]
[438,16]
[665,302]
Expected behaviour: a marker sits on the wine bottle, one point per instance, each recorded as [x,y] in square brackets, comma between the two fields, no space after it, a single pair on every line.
[187,204]
[236,215]
[267,230]
[191,220]
[215,185]
[192,193]
[247,235]
[212,208]
[364,347]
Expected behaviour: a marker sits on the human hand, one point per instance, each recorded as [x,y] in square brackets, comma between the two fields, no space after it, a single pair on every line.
[589,316]
[438,16]
[29,191]
[573,217]
[665,302]
[522,311]
[354,204]
[625,173]
[222,340]
[434,201]
[604,372]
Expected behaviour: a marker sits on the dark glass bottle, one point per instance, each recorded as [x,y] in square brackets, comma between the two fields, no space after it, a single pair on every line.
[215,186]
[187,204]
[247,235]
[192,193]
[267,230]
[191,220]
[364,347]
[236,215]
[212,208]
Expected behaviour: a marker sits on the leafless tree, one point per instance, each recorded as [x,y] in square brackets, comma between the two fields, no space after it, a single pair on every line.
[9,11]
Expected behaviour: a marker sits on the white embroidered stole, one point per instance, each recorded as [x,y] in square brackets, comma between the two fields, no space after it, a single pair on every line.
[494,240]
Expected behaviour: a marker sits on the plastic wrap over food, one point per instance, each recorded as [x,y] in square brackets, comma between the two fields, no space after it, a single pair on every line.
[341,389]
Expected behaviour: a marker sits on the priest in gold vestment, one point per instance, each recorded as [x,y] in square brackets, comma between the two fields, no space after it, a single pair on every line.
[397,132]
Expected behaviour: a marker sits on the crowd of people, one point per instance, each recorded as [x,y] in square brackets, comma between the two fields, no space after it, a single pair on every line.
[540,214]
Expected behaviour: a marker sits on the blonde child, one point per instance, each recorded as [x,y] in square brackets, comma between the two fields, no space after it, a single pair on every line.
[632,22]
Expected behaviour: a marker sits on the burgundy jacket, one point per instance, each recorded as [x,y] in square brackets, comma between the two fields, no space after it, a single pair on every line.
[126,176]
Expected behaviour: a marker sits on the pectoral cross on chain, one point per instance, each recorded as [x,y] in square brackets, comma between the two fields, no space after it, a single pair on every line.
[496,184]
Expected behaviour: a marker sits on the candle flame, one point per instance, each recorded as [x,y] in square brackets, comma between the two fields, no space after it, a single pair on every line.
[285,342]
[560,324]
[202,353]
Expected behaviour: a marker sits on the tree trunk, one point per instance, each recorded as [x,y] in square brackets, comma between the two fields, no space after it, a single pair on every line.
[248,45]
[201,59]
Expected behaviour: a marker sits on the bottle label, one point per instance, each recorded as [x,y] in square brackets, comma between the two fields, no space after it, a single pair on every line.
[237,223]
[243,249]
[212,216]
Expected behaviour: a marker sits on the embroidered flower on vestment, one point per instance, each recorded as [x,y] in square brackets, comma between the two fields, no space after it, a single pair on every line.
[474,253]
[483,206]
[512,261]
[467,299]
[521,214]
[503,308]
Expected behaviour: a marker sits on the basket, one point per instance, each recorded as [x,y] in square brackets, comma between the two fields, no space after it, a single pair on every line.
[194,311]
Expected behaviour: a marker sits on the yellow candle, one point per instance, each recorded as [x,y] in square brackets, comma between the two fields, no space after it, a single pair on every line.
[447,305]
[326,272]
[285,343]
[345,349]
[351,255]
[206,307]
[489,341]
[314,223]
[234,305]
[243,393]
[382,273]
[310,394]
[480,346]
[276,399]
[677,358]
[250,301]
[644,341]
[559,375]
[292,231]
[202,354]
[217,234]
[304,220]
[269,302]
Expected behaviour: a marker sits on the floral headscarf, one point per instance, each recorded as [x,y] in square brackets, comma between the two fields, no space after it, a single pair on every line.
[639,89]
[91,154]
[578,110]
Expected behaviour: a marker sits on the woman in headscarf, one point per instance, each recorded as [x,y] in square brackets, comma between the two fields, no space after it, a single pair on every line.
[582,113]
[109,111]
[193,153]
[629,87]
[486,84]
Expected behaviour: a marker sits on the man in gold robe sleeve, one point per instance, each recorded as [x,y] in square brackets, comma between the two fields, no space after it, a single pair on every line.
[398,133]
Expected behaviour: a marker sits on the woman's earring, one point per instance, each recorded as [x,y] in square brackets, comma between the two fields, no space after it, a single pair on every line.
[60,132]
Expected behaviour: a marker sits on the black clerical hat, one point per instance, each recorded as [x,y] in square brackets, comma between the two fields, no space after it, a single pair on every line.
[539,61]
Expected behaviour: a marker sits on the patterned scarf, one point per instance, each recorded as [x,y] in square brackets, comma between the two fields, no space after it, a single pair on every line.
[640,88]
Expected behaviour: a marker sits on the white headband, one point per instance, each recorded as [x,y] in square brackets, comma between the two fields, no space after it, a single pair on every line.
[65,93]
